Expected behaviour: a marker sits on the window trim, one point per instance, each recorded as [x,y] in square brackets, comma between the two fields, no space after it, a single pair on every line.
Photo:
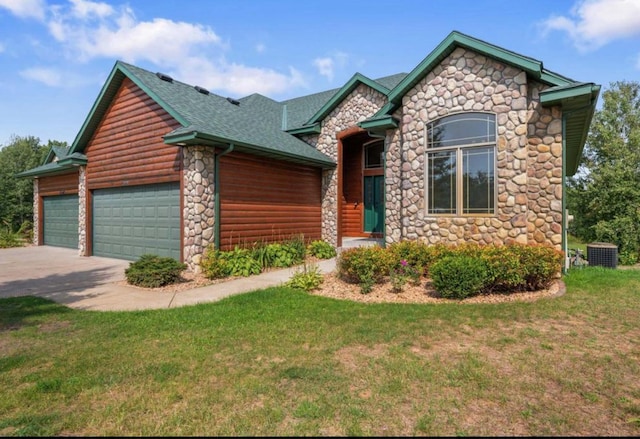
[459,177]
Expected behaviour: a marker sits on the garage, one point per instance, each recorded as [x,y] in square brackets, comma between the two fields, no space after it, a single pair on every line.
[60,220]
[131,221]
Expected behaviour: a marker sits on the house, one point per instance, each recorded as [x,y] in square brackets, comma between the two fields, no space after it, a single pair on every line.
[474,144]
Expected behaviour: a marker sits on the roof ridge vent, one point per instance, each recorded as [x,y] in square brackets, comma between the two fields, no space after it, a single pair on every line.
[233,101]
[202,90]
[164,77]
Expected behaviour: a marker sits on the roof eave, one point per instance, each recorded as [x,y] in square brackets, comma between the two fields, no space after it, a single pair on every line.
[455,39]
[578,105]
[379,124]
[199,138]
[310,129]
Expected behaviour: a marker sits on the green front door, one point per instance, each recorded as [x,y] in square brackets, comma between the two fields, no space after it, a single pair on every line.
[60,220]
[131,221]
[374,203]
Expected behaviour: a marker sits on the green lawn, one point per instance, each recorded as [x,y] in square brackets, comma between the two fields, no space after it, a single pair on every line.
[282,362]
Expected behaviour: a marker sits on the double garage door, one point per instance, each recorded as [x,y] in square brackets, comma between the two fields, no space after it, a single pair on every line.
[131,221]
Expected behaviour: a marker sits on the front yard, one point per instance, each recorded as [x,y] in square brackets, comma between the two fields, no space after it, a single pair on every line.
[285,362]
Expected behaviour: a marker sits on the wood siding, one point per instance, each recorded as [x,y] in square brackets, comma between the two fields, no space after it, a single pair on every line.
[127,147]
[352,205]
[58,184]
[267,200]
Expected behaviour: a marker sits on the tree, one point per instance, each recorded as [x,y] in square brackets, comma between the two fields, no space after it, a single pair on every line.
[604,196]
[16,194]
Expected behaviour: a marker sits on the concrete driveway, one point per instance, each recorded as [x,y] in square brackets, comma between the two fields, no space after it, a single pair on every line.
[58,274]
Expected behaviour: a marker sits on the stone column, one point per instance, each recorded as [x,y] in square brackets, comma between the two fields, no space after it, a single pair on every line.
[82,211]
[198,203]
[36,213]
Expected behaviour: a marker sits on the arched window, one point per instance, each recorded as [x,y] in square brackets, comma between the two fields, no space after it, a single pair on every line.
[461,164]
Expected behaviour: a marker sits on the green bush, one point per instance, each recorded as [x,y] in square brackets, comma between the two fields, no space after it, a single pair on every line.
[459,277]
[213,264]
[281,255]
[365,266]
[153,271]
[541,263]
[307,278]
[240,262]
[321,249]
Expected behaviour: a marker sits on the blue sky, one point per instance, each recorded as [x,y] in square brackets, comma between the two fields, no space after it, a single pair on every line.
[56,54]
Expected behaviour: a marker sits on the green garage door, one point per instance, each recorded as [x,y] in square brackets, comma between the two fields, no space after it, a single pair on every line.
[131,221]
[61,220]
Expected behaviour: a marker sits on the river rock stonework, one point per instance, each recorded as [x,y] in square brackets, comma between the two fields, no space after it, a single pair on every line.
[36,213]
[82,211]
[359,105]
[528,150]
[198,211]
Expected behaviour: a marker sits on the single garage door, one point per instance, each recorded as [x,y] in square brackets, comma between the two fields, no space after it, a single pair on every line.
[131,221]
[61,220]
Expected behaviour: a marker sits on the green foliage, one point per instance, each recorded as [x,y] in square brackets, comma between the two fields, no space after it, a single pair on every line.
[9,238]
[307,278]
[213,265]
[604,196]
[402,273]
[281,255]
[459,277]
[16,194]
[153,271]
[364,265]
[240,262]
[321,249]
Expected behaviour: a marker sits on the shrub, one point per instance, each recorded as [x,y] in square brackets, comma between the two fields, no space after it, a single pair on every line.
[281,255]
[364,265]
[458,277]
[540,264]
[417,254]
[240,262]
[213,264]
[505,269]
[307,278]
[321,249]
[403,273]
[153,271]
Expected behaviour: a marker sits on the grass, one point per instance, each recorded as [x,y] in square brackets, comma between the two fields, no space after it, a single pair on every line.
[282,362]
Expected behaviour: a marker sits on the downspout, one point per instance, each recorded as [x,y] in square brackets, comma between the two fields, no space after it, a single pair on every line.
[216,189]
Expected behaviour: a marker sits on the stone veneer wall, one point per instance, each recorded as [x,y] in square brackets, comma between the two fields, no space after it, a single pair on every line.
[36,213]
[529,156]
[82,211]
[198,211]
[360,104]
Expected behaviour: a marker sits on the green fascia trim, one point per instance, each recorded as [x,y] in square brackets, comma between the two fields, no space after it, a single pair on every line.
[379,124]
[108,91]
[77,161]
[198,138]
[50,156]
[47,170]
[311,129]
[456,39]
[563,95]
[351,84]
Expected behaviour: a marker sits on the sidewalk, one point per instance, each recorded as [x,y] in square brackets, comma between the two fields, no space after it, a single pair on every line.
[115,297]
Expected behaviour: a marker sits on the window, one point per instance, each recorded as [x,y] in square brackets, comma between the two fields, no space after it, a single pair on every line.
[374,154]
[461,164]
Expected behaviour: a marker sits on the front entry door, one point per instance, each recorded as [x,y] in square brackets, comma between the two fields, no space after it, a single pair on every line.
[374,203]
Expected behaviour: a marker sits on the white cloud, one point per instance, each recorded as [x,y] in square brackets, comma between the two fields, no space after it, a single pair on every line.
[47,76]
[84,9]
[327,65]
[260,47]
[25,8]
[324,66]
[192,53]
[594,23]
[237,79]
